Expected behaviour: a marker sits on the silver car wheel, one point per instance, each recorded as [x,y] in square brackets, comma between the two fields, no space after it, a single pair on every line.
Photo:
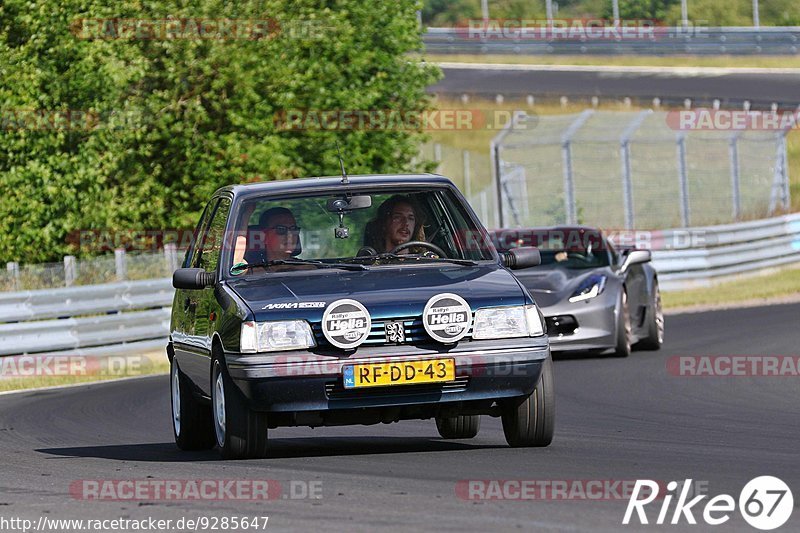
[219,409]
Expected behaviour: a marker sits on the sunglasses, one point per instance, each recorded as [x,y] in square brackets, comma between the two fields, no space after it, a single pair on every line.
[285,230]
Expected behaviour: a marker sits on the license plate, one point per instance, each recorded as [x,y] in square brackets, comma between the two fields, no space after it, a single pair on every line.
[399,373]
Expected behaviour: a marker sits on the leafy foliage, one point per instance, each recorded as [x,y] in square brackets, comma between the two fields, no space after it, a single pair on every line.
[166,121]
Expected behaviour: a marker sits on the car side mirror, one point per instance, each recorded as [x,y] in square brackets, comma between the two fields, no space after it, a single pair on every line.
[193,278]
[635,257]
[524,257]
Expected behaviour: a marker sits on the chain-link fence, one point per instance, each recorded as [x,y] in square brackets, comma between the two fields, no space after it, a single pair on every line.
[119,266]
[636,170]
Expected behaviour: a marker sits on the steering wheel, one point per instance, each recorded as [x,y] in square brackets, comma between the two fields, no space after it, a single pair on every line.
[366,251]
[410,244]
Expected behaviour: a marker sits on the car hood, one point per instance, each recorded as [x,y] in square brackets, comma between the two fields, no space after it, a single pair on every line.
[385,292]
[550,284]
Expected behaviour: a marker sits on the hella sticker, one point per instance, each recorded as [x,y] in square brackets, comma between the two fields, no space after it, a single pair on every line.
[447,317]
[346,323]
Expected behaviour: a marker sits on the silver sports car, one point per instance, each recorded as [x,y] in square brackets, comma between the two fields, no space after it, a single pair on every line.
[594,297]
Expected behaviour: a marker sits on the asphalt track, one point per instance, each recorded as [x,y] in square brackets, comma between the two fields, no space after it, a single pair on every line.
[731,86]
[618,419]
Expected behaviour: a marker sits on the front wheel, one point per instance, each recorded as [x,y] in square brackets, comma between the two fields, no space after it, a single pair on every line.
[241,433]
[531,423]
[655,323]
[191,420]
[458,427]
[623,346]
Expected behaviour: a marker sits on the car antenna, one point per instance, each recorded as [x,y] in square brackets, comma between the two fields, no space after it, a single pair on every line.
[345,181]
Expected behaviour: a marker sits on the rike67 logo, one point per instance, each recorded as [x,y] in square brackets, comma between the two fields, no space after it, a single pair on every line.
[765,503]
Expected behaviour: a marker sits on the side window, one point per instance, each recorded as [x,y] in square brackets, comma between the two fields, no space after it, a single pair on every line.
[212,241]
[199,231]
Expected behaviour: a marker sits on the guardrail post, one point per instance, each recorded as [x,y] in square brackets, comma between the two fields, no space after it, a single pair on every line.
[735,181]
[171,257]
[13,272]
[683,176]
[70,270]
[121,264]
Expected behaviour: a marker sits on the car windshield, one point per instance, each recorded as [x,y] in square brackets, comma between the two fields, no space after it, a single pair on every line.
[354,231]
[567,248]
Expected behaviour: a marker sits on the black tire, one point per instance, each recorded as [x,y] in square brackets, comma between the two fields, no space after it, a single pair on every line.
[623,346]
[191,420]
[458,427]
[531,423]
[240,432]
[655,323]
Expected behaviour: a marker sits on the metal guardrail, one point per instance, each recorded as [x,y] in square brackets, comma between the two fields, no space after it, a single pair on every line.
[695,40]
[716,252]
[119,317]
[133,317]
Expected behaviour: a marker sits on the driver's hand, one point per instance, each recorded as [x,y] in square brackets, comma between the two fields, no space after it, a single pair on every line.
[561,257]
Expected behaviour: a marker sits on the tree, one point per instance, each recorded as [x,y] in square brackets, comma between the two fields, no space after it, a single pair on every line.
[172,119]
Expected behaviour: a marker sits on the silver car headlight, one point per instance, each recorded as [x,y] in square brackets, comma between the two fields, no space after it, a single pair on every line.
[507,322]
[276,336]
[591,287]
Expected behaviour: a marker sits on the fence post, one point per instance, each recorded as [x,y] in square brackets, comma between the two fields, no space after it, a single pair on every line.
[13,271]
[787,200]
[437,155]
[780,193]
[121,264]
[467,177]
[171,257]
[683,176]
[566,157]
[735,179]
[70,268]
[625,157]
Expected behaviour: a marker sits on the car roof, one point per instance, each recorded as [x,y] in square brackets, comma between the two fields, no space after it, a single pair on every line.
[334,183]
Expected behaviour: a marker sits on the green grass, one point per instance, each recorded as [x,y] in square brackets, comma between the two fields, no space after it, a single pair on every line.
[158,365]
[780,284]
[624,60]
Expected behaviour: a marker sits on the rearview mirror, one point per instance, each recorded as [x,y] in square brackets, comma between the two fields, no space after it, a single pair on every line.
[193,278]
[523,257]
[635,257]
[350,203]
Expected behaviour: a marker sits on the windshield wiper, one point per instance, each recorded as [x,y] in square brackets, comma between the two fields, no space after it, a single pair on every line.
[318,264]
[387,255]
